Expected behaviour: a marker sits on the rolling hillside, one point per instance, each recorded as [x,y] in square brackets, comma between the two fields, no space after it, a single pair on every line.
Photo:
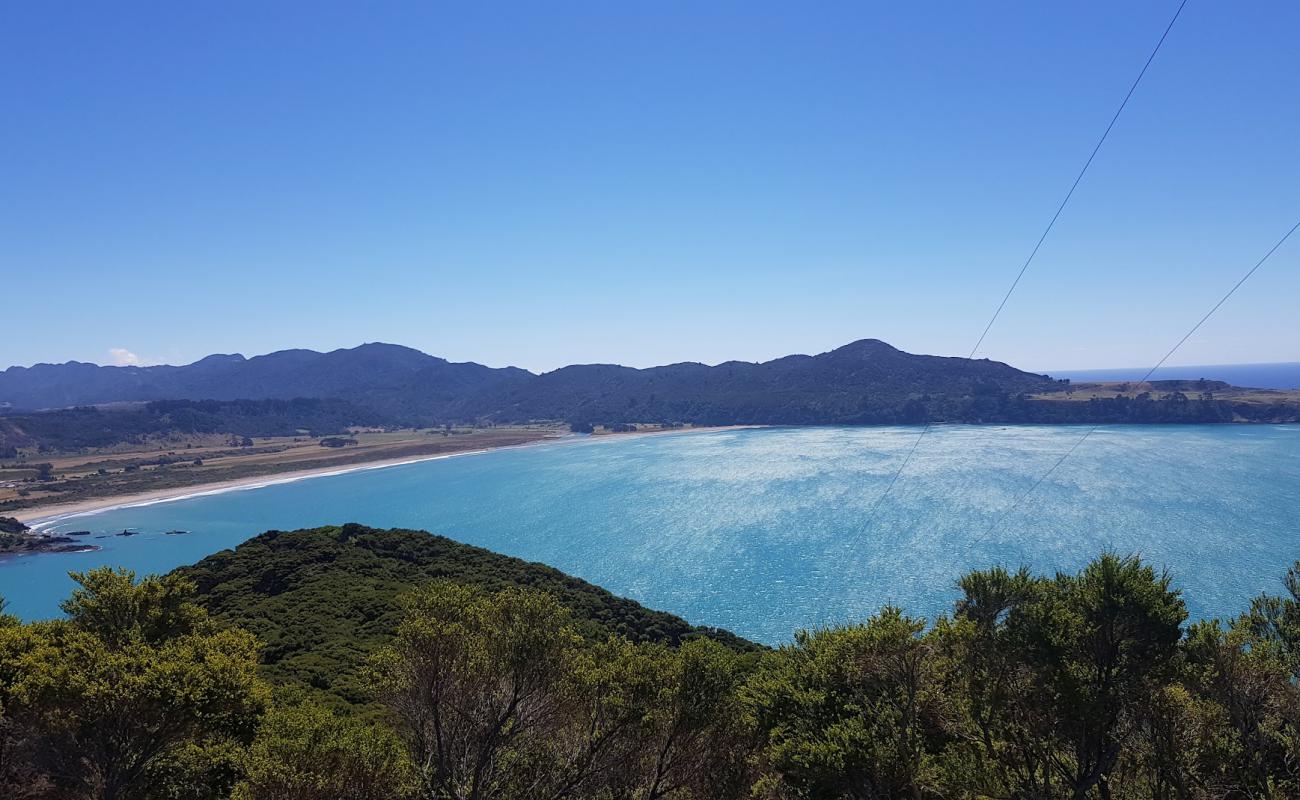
[322,600]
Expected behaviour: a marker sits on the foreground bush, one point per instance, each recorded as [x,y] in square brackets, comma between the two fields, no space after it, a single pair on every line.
[134,696]
[1074,686]
[498,696]
[305,752]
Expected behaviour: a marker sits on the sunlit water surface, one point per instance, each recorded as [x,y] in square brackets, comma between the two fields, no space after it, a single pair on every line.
[769,530]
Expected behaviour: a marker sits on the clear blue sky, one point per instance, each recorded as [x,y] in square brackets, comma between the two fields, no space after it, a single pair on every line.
[545,183]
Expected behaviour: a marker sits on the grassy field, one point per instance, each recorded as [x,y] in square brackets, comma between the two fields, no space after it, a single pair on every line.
[1082,392]
[184,462]
[160,465]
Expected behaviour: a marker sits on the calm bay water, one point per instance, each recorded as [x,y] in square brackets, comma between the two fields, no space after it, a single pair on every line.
[765,531]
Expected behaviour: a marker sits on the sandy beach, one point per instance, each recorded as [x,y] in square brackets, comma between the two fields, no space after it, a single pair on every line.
[44,516]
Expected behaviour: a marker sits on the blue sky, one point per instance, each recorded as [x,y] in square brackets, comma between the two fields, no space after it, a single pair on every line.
[546,183]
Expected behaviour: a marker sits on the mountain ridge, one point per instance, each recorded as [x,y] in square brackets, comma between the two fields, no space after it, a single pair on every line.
[240,358]
[864,382]
[867,380]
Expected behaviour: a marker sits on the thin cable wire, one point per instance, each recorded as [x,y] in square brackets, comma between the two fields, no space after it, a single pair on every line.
[1016,503]
[907,459]
[1078,179]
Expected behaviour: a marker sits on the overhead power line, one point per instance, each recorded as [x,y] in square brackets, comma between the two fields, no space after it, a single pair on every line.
[1078,178]
[1016,503]
[907,459]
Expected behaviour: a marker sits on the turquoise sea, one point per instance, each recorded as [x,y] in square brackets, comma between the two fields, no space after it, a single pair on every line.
[764,531]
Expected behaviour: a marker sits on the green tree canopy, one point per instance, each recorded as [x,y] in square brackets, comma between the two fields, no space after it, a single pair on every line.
[133,696]
[306,752]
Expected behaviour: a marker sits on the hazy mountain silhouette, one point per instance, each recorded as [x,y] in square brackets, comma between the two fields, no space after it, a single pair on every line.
[866,381]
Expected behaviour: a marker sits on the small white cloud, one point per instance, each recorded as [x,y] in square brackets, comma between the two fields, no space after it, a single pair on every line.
[121,357]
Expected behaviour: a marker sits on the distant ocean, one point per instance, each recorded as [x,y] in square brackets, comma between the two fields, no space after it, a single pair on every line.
[1258,376]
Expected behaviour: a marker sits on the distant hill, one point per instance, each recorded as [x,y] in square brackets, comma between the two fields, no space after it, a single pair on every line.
[863,382]
[383,377]
[322,600]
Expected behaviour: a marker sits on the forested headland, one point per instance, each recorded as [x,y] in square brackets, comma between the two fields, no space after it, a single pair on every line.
[351,663]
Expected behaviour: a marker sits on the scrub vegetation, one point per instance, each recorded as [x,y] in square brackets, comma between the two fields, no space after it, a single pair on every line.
[286,669]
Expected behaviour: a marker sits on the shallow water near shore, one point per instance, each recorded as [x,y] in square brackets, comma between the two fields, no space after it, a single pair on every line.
[765,531]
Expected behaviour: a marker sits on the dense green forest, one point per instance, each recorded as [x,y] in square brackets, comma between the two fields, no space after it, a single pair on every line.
[321,601]
[1173,406]
[493,678]
[76,428]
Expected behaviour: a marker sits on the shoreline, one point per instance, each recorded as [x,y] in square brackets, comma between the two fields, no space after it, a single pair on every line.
[40,518]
